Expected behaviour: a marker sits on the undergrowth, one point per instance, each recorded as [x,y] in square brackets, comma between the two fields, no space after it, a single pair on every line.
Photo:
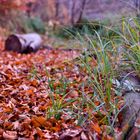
[109,52]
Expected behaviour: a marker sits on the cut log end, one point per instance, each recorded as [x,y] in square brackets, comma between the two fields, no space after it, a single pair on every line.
[12,43]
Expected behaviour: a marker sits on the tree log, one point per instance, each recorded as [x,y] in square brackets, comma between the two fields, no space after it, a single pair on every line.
[23,43]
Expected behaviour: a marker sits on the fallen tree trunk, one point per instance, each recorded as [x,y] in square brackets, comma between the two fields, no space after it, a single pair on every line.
[23,43]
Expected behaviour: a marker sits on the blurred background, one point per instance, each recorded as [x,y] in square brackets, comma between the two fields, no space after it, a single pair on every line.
[39,15]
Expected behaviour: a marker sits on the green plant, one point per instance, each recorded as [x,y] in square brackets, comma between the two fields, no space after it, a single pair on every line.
[34,73]
[101,63]
[58,96]
[122,45]
[132,47]
[84,27]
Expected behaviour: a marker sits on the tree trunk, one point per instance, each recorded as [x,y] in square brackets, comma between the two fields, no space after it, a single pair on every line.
[67,12]
[24,43]
[64,12]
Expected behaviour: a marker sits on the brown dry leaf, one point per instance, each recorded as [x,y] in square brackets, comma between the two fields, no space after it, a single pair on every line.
[48,136]
[39,132]
[8,110]
[73,94]
[83,136]
[10,135]
[137,123]
[96,127]
[38,121]
[16,125]
[22,116]
[1,133]
[107,137]
[30,92]
[34,83]
[8,125]
[24,87]
[35,109]
[70,134]
[1,43]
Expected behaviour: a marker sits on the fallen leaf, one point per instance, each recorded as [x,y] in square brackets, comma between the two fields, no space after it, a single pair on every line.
[11,135]
[38,121]
[83,136]
[96,127]
[73,94]
[137,123]
[70,134]
[16,125]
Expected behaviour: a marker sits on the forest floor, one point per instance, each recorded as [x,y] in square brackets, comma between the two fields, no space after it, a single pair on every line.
[25,98]
[47,95]
[27,108]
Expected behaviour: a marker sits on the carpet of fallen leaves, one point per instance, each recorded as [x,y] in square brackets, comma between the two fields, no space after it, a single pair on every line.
[24,96]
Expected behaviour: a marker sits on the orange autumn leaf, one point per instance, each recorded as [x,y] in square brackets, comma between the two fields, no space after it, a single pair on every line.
[39,132]
[107,137]
[8,110]
[1,42]
[18,62]
[8,125]
[97,103]
[96,127]
[38,121]
[56,129]
[34,83]
[30,91]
